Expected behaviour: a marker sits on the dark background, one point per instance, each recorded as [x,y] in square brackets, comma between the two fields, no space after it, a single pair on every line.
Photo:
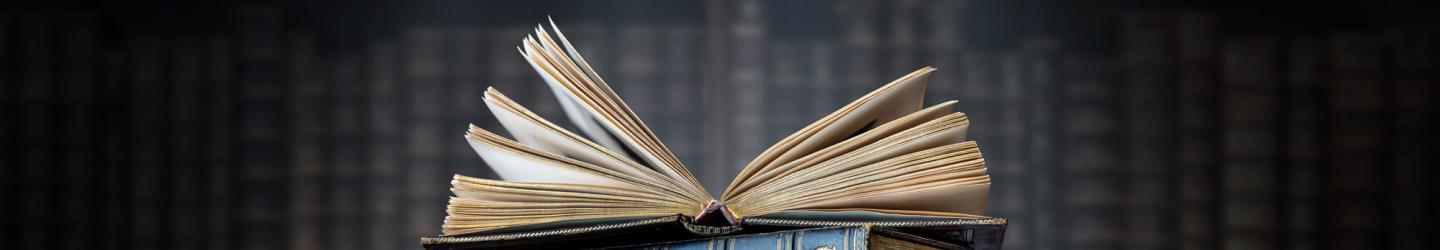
[336,124]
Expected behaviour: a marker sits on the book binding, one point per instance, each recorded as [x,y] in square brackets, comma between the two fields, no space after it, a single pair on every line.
[971,233]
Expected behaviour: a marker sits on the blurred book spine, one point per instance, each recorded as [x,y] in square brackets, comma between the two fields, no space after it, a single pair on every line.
[1303,124]
[186,117]
[9,146]
[425,131]
[823,84]
[112,175]
[149,143]
[1041,146]
[636,48]
[733,87]
[943,45]
[383,153]
[77,92]
[861,49]
[1007,151]
[1092,182]
[307,100]
[787,89]
[1412,91]
[714,106]
[900,37]
[1148,59]
[262,157]
[679,71]
[1198,129]
[35,123]
[1249,167]
[347,157]
[1355,176]
[979,90]
[220,137]
[747,75]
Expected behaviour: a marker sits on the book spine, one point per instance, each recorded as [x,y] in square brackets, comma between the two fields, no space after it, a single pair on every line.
[1092,183]
[308,129]
[1148,60]
[467,94]
[111,176]
[1198,134]
[715,105]
[944,45]
[262,195]
[149,144]
[1431,155]
[1041,146]
[747,78]
[77,81]
[1005,153]
[347,157]
[9,146]
[635,62]
[1356,173]
[220,138]
[186,178]
[679,70]
[383,153]
[824,89]
[901,38]
[36,122]
[425,133]
[979,92]
[1251,75]
[1412,90]
[821,238]
[861,45]
[1303,121]
[73,91]
[785,91]
[979,97]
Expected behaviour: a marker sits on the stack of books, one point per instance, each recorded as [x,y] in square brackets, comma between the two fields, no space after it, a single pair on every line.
[882,172]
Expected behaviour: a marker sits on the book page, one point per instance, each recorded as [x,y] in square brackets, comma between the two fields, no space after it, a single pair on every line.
[530,129]
[477,188]
[573,79]
[864,140]
[899,98]
[482,205]
[950,178]
[514,161]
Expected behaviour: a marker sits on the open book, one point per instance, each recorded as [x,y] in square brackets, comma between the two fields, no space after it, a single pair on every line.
[883,157]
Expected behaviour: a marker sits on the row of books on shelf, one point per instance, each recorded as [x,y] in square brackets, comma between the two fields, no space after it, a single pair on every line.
[262,136]
[1174,139]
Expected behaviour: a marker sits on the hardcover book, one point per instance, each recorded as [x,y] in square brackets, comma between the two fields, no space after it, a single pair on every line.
[882,161]
[851,237]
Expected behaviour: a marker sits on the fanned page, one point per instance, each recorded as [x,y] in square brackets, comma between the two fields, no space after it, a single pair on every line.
[901,97]
[530,129]
[564,69]
[549,174]
[882,154]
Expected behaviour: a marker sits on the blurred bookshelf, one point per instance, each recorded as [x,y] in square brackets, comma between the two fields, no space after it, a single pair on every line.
[258,125]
